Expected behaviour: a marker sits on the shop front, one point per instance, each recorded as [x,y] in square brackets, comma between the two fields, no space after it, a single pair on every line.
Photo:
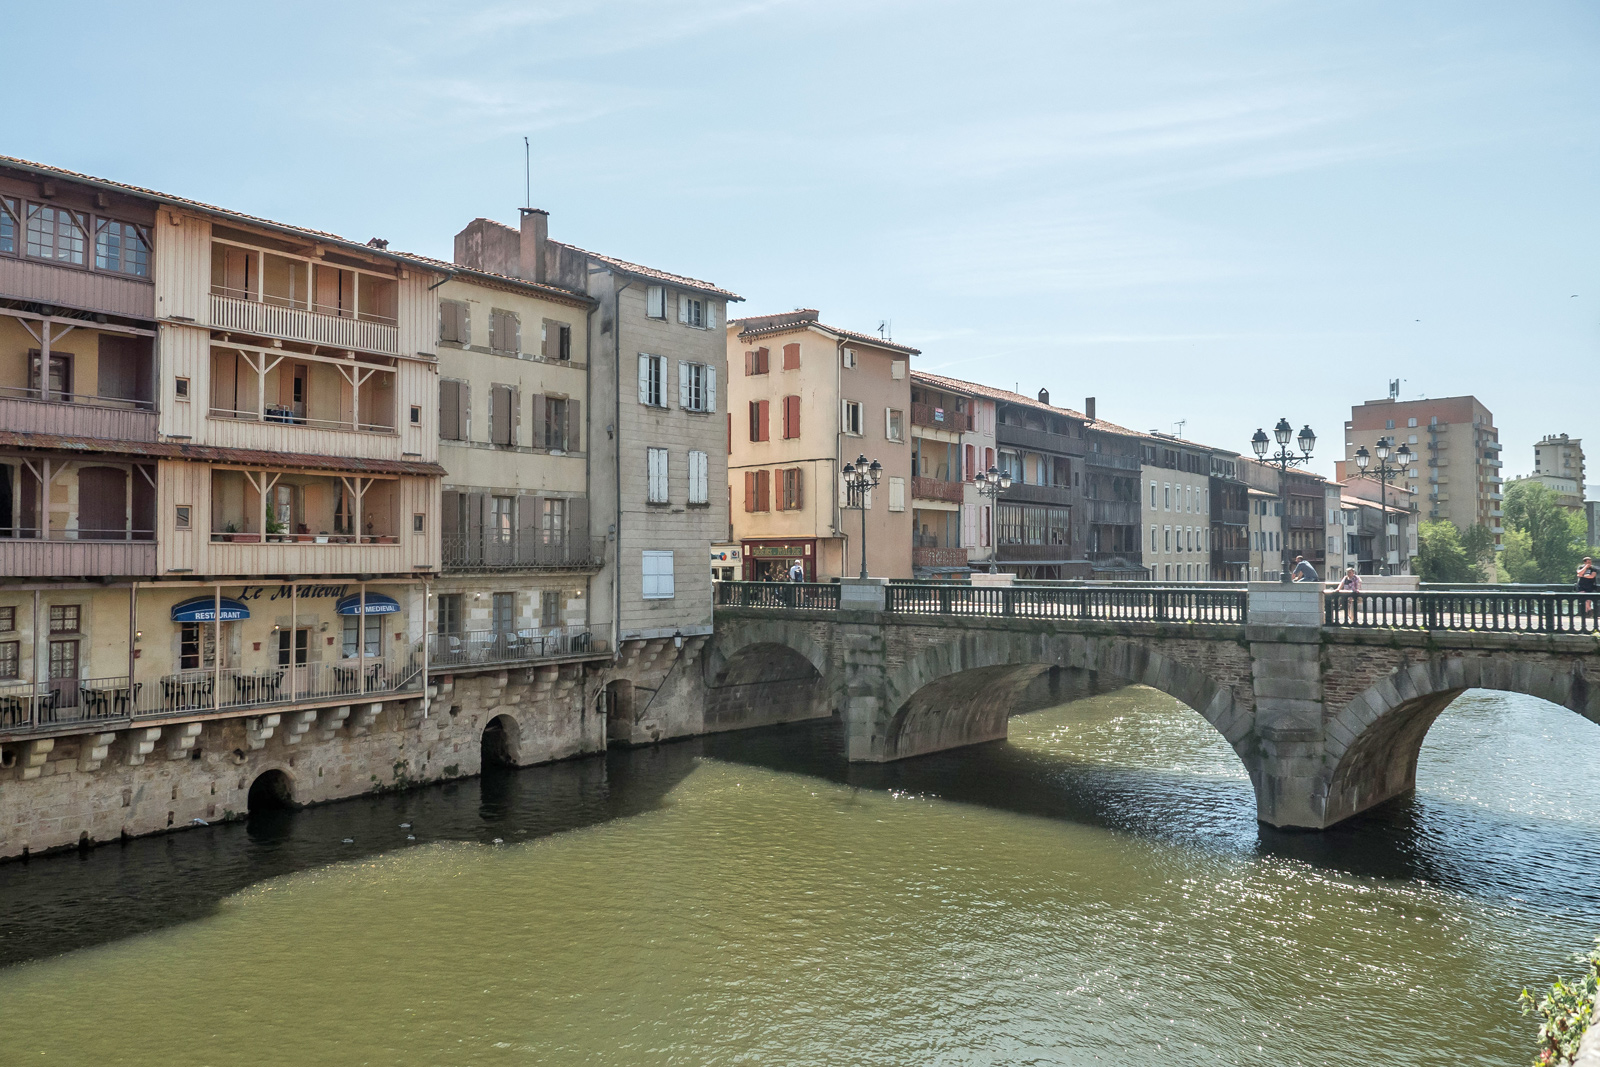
[769,561]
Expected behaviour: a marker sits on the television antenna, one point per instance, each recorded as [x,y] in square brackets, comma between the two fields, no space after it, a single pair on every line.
[527,174]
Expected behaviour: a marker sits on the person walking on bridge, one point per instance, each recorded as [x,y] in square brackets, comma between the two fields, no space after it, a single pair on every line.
[1587,573]
[1303,571]
[797,572]
[1350,583]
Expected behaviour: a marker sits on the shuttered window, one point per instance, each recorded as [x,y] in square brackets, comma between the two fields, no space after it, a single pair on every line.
[758,420]
[791,495]
[500,408]
[655,302]
[555,340]
[657,574]
[757,490]
[755,361]
[791,357]
[969,524]
[652,380]
[505,332]
[452,410]
[791,417]
[697,387]
[897,494]
[656,463]
[454,322]
[699,473]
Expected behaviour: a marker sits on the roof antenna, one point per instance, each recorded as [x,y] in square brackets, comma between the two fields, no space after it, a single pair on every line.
[1178,427]
[886,329]
[1394,388]
[527,174]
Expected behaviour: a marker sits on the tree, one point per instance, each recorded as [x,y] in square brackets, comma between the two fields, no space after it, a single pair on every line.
[1441,557]
[1478,543]
[1555,536]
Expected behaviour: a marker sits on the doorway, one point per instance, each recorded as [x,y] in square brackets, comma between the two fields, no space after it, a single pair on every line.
[500,742]
[619,712]
[271,791]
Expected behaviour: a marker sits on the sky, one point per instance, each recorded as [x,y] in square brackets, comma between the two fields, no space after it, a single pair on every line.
[1210,213]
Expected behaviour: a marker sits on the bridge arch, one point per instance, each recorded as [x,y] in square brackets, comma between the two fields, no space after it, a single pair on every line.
[767,672]
[962,691]
[1374,741]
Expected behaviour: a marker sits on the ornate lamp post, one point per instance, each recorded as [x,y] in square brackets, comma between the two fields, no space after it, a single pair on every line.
[1283,459]
[1384,473]
[859,478]
[991,484]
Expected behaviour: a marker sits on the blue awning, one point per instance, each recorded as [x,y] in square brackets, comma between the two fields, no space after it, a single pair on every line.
[377,604]
[203,609]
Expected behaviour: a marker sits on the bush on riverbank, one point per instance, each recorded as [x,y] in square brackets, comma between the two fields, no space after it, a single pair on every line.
[1565,1013]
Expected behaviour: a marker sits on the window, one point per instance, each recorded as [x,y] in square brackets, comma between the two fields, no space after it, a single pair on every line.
[657,574]
[852,418]
[65,618]
[197,646]
[894,425]
[180,388]
[897,495]
[1166,538]
[553,521]
[791,418]
[1166,497]
[416,414]
[504,613]
[1411,422]
[122,247]
[8,225]
[180,517]
[557,422]
[848,357]
[791,357]
[8,619]
[755,361]
[790,497]
[758,420]
[10,659]
[757,486]
[699,474]
[652,380]
[897,369]
[449,613]
[294,647]
[56,234]
[657,470]
[502,515]
[417,521]
[505,332]
[501,407]
[455,322]
[549,608]
[655,302]
[555,340]
[373,643]
[697,387]
[1389,425]
[452,410]
[1155,542]
[693,311]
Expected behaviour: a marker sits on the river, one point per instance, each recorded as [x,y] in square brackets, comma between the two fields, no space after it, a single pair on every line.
[1095,890]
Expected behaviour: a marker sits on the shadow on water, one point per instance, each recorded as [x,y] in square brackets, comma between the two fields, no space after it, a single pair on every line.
[57,903]
[1464,848]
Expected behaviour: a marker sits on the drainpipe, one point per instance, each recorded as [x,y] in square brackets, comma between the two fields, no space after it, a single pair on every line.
[133,628]
[216,645]
[38,652]
[616,450]
[838,456]
[426,700]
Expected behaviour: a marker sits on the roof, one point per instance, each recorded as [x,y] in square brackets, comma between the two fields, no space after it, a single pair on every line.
[196,205]
[209,453]
[543,288]
[988,392]
[806,319]
[641,271]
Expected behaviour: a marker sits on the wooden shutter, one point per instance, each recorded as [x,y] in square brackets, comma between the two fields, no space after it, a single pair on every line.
[644,379]
[749,490]
[699,490]
[475,505]
[683,309]
[530,510]
[791,416]
[500,414]
[763,359]
[540,435]
[749,362]
[655,302]
[764,406]
[711,388]
[656,463]
[791,357]
[449,513]
[463,411]
[683,385]
[710,315]
[578,518]
[780,501]
[495,318]
[763,489]
[573,439]
[516,415]
[120,359]
[449,410]
[969,524]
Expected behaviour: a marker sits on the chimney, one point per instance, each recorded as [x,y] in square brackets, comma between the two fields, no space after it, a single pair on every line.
[1088,407]
[1044,396]
[535,231]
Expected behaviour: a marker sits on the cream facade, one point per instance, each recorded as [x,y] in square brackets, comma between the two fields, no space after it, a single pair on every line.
[1177,526]
[804,399]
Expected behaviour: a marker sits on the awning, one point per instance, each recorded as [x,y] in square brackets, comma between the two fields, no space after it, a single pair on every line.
[203,609]
[377,604]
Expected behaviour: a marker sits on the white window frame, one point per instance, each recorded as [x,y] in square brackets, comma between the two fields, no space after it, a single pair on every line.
[652,380]
[655,301]
[699,478]
[892,432]
[658,486]
[656,574]
[850,414]
[697,387]
[696,312]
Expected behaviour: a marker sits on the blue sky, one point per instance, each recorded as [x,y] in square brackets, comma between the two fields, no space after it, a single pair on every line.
[1216,212]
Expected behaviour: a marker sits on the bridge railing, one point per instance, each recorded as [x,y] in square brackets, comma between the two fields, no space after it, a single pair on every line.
[818,596]
[1504,612]
[1139,602]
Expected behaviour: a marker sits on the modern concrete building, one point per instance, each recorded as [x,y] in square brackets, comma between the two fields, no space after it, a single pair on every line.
[1558,466]
[804,399]
[1456,474]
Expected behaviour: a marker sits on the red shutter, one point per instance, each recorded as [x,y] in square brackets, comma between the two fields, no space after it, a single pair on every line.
[749,363]
[750,490]
[970,452]
[763,488]
[791,357]
[799,488]
[761,361]
[791,417]
[779,498]
[763,406]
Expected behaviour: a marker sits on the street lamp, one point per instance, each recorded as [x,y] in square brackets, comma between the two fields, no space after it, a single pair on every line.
[859,478]
[1283,459]
[1384,472]
[992,483]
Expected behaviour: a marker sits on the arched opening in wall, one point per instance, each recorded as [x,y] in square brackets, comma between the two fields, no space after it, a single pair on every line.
[619,712]
[763,684]
[501,740]
[271,791]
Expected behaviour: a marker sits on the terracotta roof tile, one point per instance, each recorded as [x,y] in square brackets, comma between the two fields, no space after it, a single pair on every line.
[805,319]
[641,271]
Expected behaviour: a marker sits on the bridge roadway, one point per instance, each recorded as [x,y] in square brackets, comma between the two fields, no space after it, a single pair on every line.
[1325,697]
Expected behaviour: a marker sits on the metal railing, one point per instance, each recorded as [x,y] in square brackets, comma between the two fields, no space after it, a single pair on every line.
[491,551]
[1501,612]
[481,648]
[57,396]
[821,596]
[81,533]
[1133,602]
[279,413]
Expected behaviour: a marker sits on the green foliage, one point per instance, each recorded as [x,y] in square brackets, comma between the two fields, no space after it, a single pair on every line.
[1441,557]
[1552,540]
[1565,1013]
[1478,543]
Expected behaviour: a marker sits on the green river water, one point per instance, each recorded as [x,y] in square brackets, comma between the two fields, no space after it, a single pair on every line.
[1094,890]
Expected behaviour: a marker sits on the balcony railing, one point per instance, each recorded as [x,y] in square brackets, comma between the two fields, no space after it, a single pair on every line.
[1115,462]
[489,550]
[1039,440]
[936,489]
[931,556]
[40,558]
[280,413]
[229,312]
[252,537]
[1032,553]
[938,418]
[1147,603]
[1036,494]
[1230,516]
[1514,612]
[76,415]
[820,596]
[1114,512]
[486,648]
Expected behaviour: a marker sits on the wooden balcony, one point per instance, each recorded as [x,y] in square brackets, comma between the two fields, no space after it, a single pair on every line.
[77,416]
[1114,512]
[1230,516]
[1037,494]
[1029,553]
[936,489]
[930,558]
[77,559]
[294,324]
[75,287]
[937,418]
[1038,440]
[1113,462]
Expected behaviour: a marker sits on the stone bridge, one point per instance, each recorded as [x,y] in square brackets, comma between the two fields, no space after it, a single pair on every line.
[1326,698]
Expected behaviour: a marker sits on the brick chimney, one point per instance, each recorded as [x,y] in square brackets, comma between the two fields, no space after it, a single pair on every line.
[535,231]
[1044,396]
[1088,407]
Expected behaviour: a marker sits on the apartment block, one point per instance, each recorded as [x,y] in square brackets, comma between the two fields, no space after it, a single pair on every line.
[1558,466]
[1456,473]
[953,438]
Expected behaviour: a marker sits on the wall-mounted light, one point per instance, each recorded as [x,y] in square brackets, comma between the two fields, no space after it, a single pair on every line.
[677,640]
[138,635]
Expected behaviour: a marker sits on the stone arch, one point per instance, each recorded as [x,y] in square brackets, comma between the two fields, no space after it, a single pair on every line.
[501,742]
[763,672]
[272,790]
[798,637]
[1373,742]
[960,692]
